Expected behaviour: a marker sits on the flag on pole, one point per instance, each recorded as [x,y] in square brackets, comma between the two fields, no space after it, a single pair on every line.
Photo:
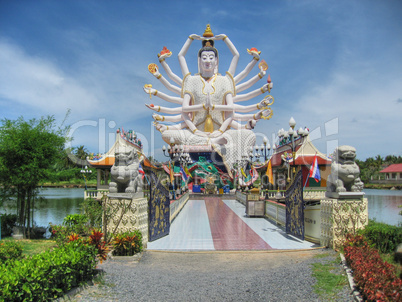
[141,171]
[315,170]
[183,174]
[171,173]
[243,173]
[269,172]
[187,171]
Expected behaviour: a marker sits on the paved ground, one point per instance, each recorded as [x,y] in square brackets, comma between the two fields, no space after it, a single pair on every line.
[215,224]
[212,276]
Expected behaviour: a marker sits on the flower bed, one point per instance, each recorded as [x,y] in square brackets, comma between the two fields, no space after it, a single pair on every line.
[376,279]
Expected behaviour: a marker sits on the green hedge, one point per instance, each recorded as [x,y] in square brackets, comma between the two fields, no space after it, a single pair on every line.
[384,237]
[10,250]
[47,275]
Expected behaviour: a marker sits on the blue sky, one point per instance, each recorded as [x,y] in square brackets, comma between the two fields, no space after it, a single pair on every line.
[336,65]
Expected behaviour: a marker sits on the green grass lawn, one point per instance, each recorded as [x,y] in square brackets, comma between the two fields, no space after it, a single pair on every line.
[33,246]
[330,280]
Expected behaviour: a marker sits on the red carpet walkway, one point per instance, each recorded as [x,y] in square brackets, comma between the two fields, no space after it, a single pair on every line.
[228,231]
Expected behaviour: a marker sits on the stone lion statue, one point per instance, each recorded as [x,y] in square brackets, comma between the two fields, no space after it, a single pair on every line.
[124,172]
[345,172]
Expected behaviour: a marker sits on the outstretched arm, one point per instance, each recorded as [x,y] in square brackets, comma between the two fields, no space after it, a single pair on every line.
[162,118]
[157,108]
[163,96]
[183,51]
[251,82]
[233,50]
[249,125]
[165,82]
[170,74]
[249,67]
[264,103]
[162,127]
[245,117]
[252,94]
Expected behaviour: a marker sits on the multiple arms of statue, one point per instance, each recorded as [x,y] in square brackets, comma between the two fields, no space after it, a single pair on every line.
[168,110]
[252,94]
[170,74]
[251,82]
[165,82]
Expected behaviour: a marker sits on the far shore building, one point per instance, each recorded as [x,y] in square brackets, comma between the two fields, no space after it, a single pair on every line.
[393,174]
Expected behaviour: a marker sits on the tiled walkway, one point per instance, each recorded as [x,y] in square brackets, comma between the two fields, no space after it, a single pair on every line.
[215,224]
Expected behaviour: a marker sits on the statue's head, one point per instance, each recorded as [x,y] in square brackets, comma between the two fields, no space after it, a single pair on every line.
[208,59]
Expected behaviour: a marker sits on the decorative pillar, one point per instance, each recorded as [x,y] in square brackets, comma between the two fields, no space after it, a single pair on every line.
[341,216]
[125,213]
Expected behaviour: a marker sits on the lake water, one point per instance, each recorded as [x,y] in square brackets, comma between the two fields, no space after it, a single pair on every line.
[60,202]
[383,205]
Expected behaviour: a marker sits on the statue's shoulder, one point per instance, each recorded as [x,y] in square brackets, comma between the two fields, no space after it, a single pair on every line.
[189,78]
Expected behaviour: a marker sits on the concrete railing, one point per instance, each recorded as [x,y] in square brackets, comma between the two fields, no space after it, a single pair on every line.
[311,194]
[95,194]
[275,211]
[177,205]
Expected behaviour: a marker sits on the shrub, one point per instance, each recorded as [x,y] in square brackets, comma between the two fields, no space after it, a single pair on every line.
[10,250]
[376,279]
[72,224]
[77,223]
[384,237]
[47,275]
[7,223]
[127,244]
[93,210]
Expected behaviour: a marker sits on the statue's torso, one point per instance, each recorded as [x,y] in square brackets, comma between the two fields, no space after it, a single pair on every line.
[217,88]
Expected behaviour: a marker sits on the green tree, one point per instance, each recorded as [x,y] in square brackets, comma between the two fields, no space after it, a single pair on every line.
[27,150]
[81,152]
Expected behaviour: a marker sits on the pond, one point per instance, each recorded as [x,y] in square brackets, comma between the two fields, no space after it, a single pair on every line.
[60,202]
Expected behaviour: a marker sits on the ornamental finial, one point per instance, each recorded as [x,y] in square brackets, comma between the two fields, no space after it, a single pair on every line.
[208,32]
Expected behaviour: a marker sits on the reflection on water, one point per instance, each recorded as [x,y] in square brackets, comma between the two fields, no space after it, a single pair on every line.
[60,202]
[56,204]
[383,205]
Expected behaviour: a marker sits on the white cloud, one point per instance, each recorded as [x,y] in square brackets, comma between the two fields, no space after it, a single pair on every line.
[39,84]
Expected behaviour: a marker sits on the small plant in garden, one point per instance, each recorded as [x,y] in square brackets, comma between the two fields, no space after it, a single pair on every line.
[95,239]
[127,244]
[73,237]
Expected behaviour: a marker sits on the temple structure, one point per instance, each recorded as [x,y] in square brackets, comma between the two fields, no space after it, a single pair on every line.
[305,153]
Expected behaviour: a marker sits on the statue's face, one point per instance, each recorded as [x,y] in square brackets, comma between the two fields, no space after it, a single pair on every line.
[208,61]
